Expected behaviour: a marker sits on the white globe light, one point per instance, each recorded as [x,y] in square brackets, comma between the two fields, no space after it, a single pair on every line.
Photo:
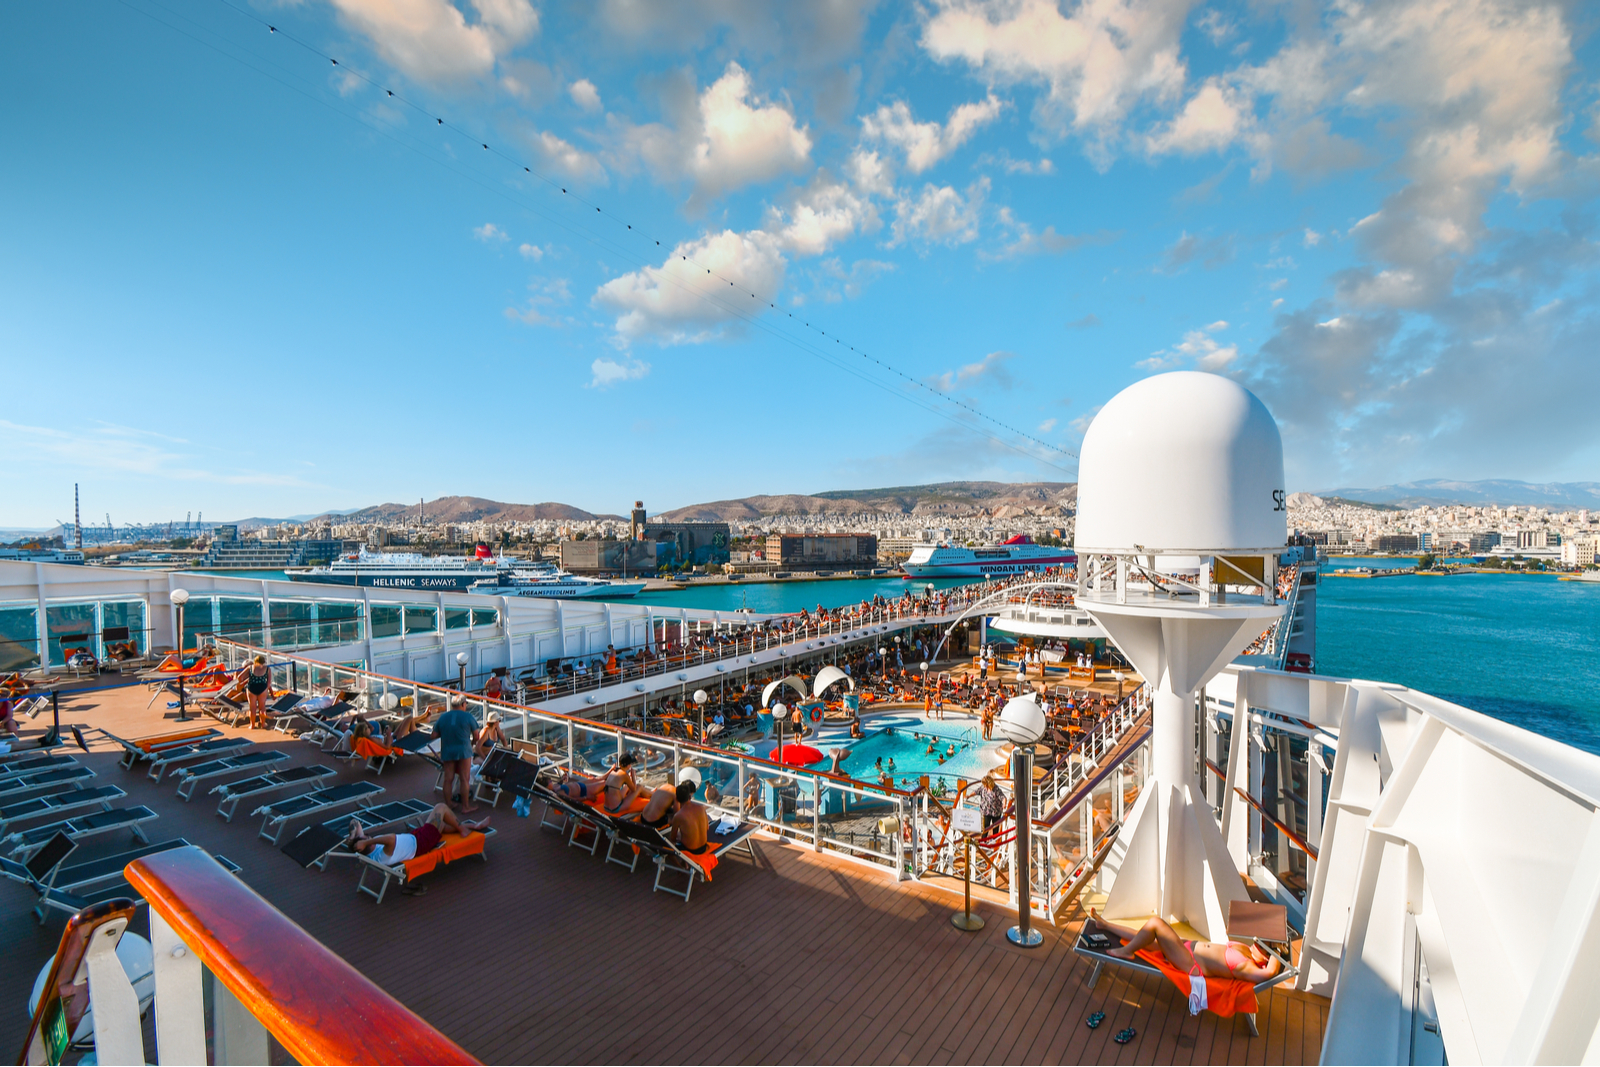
[179,597]
[690,774]
[461,659]
[1021,721]
[924,665]
[779,710]
[700,696]
[388,702]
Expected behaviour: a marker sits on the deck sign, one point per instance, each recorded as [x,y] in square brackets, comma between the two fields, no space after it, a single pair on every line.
[966,820]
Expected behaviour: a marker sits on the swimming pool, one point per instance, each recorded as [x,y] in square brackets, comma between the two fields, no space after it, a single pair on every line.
[905,738]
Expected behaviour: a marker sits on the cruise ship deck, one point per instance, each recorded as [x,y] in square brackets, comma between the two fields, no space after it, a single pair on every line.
[546,954]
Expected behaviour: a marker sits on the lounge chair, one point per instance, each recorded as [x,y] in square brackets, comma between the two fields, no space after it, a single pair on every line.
[377,754]
[453,847]
[60,803]
[1247,921]
[313,845]
[504,772]
[24,843]
[19,787]
[212,749]
[60,887]
[215,679]
[277,816]
[33,764]
[578,818]
[249,762]
[179,664]
[673,860]
[143,748]
[260,785]
[70,903]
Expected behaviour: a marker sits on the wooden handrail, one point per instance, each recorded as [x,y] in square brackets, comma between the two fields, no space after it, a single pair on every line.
[1300,842]
[321,1009]
[59,995]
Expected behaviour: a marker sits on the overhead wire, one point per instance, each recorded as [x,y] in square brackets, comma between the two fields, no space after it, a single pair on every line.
[658,274]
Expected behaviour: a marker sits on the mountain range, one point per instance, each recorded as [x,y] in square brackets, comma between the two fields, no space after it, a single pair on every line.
[1000,499]
[1505,492]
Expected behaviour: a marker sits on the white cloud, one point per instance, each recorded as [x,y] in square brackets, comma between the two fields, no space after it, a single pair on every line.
[1198,348]
[679,302]
[566,158]
[1213,118]
[1025,242]
[1311,239]
[489,232]
[544,295]
[731,138]
[608,372]
[1047,425]
[1278,283]
[838,283]
[1097,62]
[925,143]
[584,94]
[1215,25]
[431,40]
[533,252]
[991,368]
[939,215]
[821,215]
[869,173]
[1005,161]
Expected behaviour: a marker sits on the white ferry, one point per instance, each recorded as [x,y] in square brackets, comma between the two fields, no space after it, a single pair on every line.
[548,580]
[1015,556]
[405,570]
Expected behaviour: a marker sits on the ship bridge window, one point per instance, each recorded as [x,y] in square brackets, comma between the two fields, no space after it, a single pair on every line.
[457,618]
[385,620]
[485,617]
[421,620]
[19,638]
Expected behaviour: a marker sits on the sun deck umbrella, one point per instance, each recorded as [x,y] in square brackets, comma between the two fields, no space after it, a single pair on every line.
[797,755]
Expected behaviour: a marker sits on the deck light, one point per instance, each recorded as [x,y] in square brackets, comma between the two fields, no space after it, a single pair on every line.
[1022,723]
[700,699]
[461,665]
[180,597]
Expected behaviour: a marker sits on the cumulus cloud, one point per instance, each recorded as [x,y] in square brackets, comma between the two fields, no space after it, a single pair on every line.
[584,94]
[1213,118]
[544,295]
[1199,348]
[1311,238]
[680,302]
[567,159]
[1210,252]
[1096,63]
[1006,162]
[938,214]
[432,41]
[727,139]
[1086,322]
[489,232]
[821,215]
[923,144]
[533,252]
[608,372]
[991,369]
[1025,242]
[837,282]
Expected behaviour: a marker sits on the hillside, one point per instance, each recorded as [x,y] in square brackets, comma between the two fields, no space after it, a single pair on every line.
[1505,492]
[466,509]
[1002,499]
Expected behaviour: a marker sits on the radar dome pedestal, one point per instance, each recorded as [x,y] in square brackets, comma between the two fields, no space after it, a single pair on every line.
[1180,525]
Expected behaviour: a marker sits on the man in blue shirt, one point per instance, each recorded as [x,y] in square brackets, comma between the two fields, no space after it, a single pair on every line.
[454,731]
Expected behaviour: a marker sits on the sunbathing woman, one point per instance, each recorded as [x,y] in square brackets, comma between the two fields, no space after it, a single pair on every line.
[397,848]
[1225,959]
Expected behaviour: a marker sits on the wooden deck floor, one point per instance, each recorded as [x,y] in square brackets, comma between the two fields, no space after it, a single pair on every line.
[546,955]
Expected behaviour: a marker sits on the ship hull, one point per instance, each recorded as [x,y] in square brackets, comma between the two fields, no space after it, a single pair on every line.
[428,581]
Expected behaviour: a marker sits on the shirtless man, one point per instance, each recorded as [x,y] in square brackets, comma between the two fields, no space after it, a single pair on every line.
[691,824]
[663,804]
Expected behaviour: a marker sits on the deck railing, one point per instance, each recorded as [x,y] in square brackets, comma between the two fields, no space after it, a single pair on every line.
[268,976]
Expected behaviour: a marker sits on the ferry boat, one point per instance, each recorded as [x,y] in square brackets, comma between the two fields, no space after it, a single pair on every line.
[405,570]
[1015,556]
[548,580]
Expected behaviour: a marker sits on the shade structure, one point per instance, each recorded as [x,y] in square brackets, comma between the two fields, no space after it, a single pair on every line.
[797,755]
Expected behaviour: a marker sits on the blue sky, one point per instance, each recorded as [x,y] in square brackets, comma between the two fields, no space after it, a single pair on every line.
[240,279]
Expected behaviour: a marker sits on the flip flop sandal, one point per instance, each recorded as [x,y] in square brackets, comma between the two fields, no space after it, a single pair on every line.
[413,890]
[1095,1020]
[1125,1036]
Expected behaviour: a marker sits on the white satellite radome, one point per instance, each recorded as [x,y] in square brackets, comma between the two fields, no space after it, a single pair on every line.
[1181,462]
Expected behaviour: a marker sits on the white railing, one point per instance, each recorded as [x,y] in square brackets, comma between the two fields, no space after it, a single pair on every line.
[1069,773]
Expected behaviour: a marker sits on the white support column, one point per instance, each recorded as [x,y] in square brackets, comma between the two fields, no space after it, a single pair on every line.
[117,1037]
[180,999]
[266,616]
[1313,810]
[42,621]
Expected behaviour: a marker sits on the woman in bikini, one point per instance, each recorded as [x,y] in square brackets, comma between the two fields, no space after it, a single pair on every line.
[1214,959]
[614,790]
[257,679]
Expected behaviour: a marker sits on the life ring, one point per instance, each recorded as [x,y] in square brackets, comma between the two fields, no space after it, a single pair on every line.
[814,714]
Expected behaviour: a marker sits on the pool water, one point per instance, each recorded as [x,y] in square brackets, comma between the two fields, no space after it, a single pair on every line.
[904,739]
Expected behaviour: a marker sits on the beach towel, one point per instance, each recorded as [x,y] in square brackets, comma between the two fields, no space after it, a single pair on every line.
[451,848]
[706,862]
[367,748]
[634,806]
[1223,996]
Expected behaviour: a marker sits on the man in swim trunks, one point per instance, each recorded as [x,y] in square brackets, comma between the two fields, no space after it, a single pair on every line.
[394,849]
[691,824]
[1224,959]
[663,804]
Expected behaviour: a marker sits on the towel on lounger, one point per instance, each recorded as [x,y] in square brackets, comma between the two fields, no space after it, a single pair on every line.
[634,807]
[1224,996]
[707,862]
[451,848]
[367,748]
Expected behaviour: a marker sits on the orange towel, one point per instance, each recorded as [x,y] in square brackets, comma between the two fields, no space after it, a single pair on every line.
[367,748]
[146,744]
[452,848]
[1224,996]
[637,805]
[707,862]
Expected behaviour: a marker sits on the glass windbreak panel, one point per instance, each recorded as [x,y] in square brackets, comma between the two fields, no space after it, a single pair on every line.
[119,615]
[72,627]
[385,620]
[19,638]
[485,617]
[421,620]
[199,618]
[291,622]
[338,622]
[593,750]
[457,618]
[240,619]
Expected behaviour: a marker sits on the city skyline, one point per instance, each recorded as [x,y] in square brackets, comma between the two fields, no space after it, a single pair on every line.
[250,282]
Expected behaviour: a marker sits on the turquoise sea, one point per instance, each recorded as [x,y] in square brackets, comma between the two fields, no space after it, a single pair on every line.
[1523,648]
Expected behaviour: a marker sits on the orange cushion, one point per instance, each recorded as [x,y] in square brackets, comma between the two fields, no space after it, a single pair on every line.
[452,848]
[145,744]
[1224,996]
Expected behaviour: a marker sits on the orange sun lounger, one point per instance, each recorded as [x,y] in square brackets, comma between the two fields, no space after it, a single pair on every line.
[453,847]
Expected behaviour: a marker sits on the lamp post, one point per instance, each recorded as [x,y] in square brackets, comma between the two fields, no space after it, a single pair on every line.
[461,669]
[700,699]
[883,663]
[180,597]
[1022,723]
[924,677]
